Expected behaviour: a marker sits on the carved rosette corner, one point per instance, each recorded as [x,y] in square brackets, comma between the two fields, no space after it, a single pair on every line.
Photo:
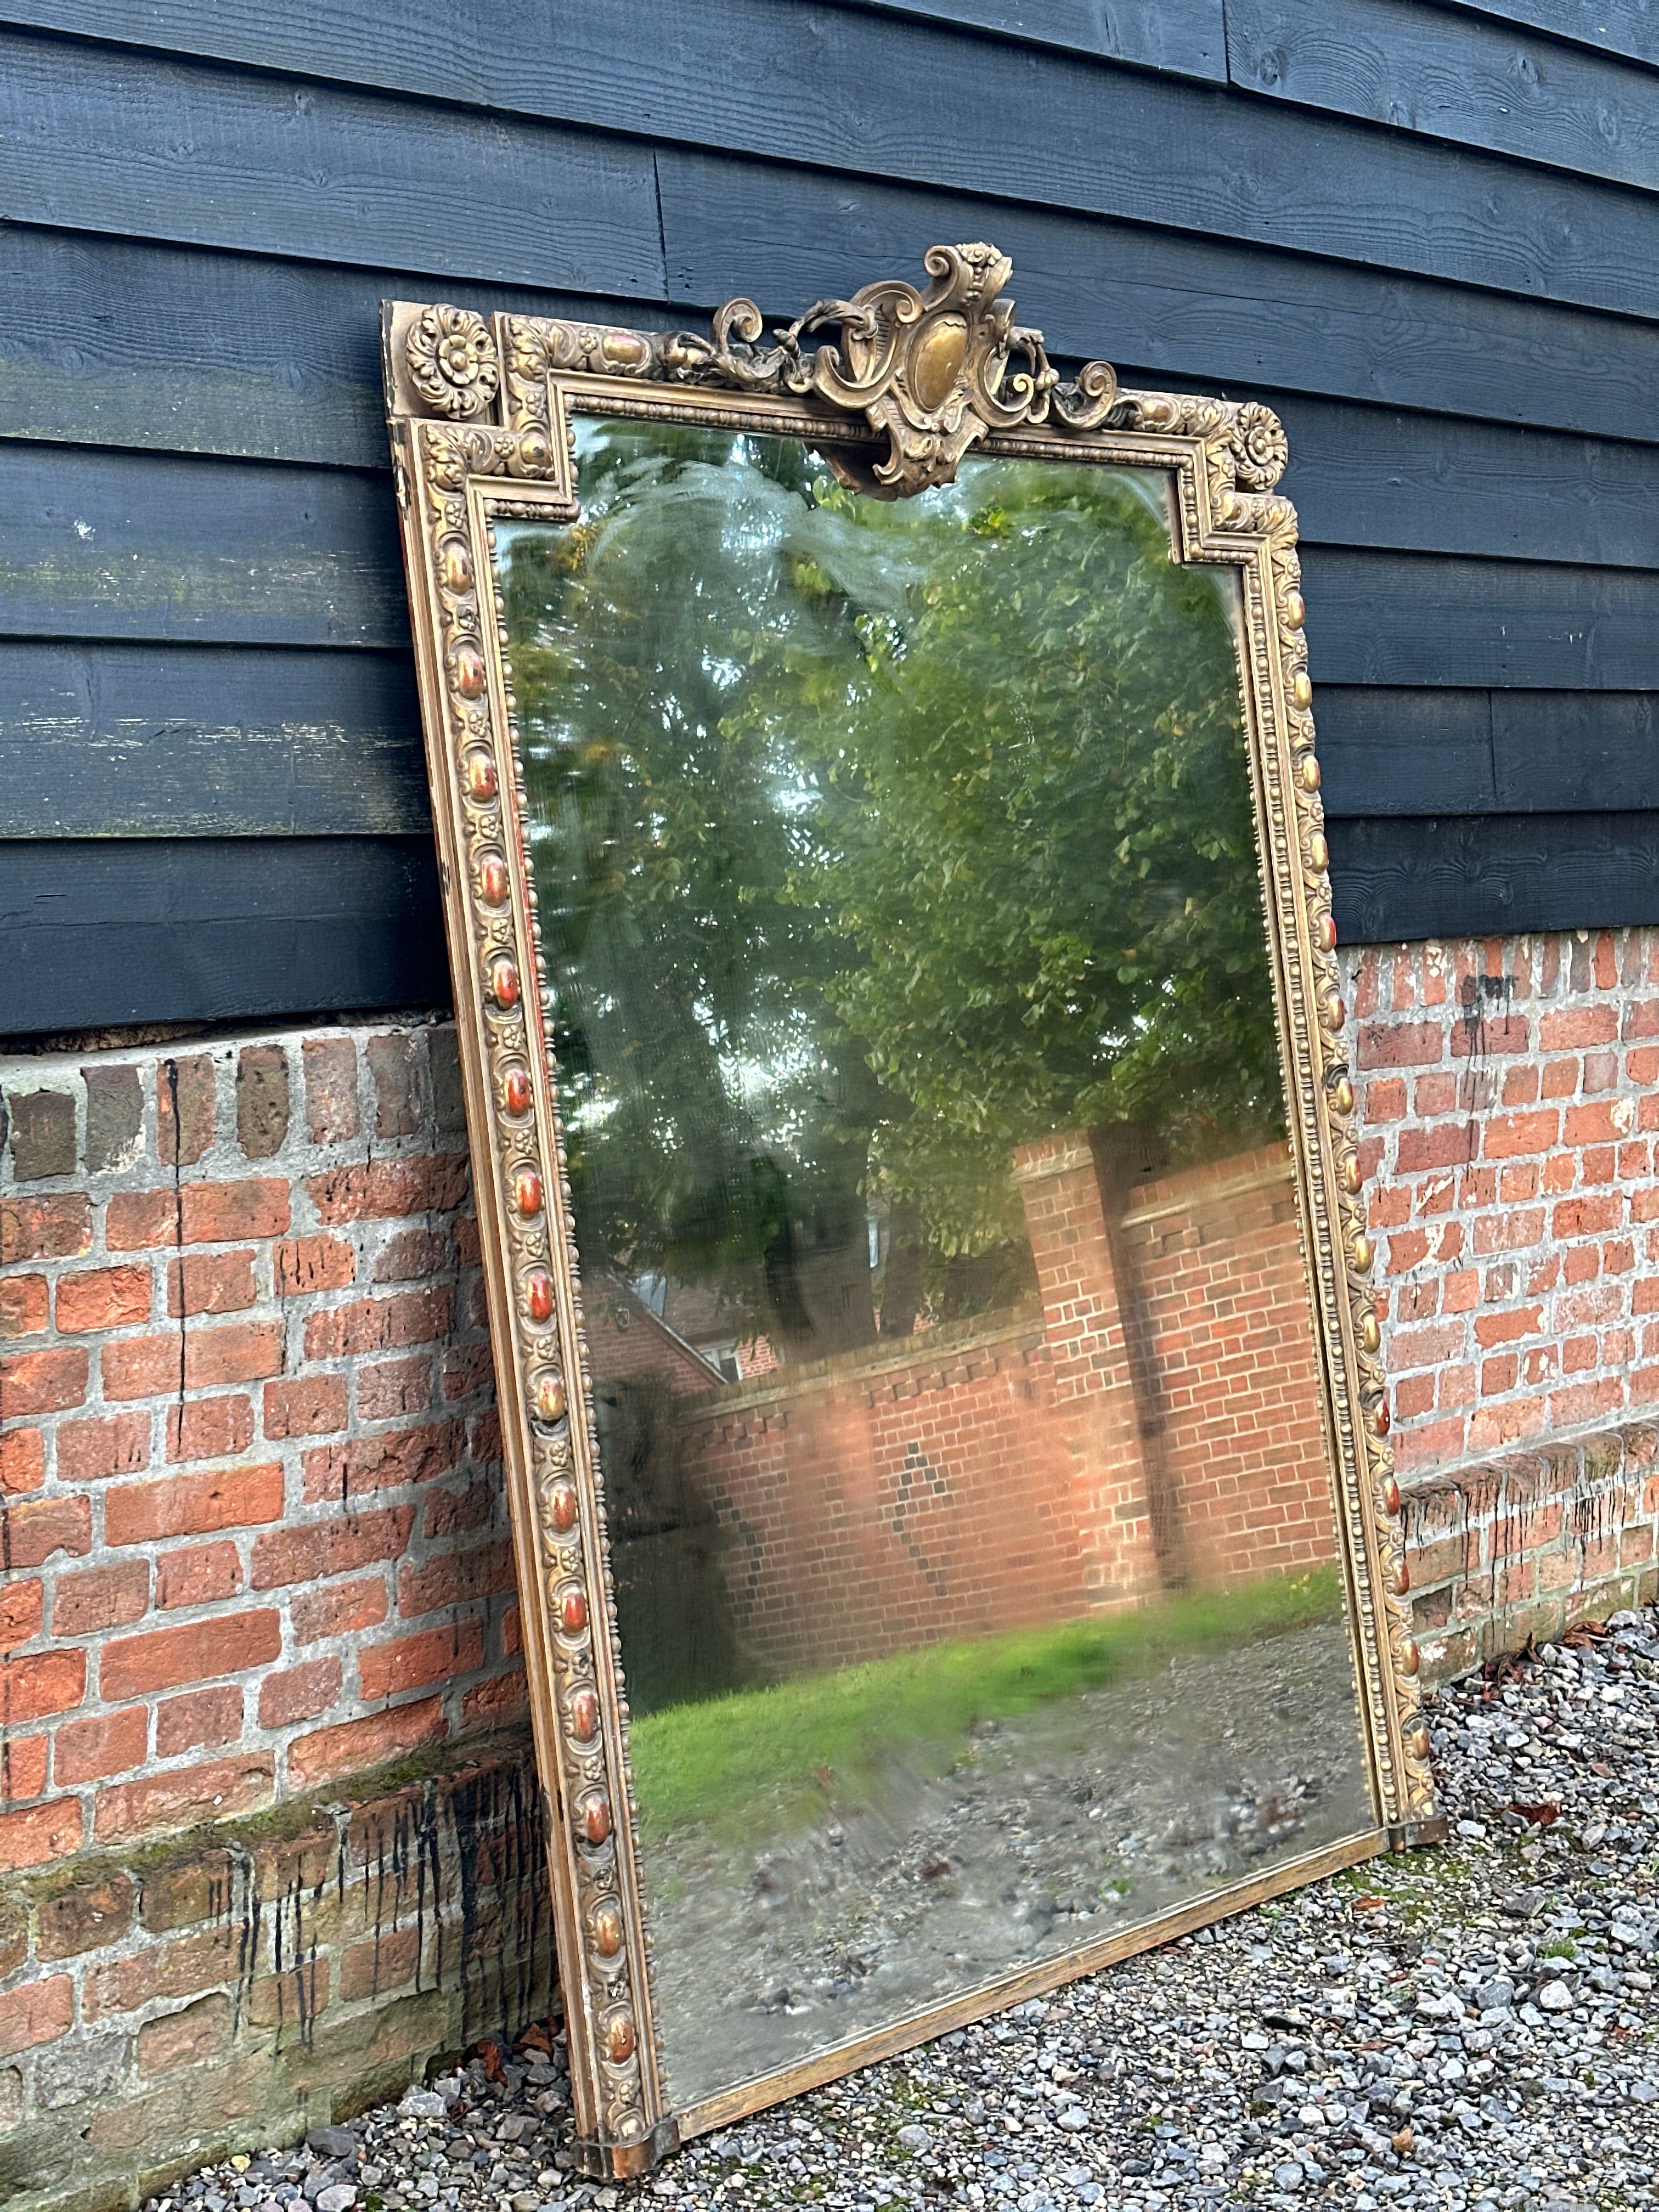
[451,360]
[569,1537]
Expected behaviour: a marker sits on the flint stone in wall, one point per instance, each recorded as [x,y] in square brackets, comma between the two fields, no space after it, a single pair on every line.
[262,1100]
[115,1117]
[42,1134]
[70,2072]
[448,1100]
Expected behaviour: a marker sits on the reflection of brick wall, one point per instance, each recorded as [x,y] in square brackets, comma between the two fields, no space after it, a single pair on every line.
[1224,1300]
[1013,1470]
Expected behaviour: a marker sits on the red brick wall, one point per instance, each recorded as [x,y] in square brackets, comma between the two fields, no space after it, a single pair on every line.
[253,1527]
[253,1547]
[1004,1472]
[1510,1088]
[252,1537]
[873,1504]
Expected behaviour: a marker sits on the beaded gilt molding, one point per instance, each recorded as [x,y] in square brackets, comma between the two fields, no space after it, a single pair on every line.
[912,381]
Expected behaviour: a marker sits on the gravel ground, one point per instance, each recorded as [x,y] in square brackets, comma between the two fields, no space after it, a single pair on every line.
[1470,2028]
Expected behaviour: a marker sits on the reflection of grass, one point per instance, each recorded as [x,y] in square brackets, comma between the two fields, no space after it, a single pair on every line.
[761,1758]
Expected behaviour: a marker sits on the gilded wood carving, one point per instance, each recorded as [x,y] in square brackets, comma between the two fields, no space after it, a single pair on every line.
[911,382]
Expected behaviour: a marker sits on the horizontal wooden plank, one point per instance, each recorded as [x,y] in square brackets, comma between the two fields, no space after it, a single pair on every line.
[115,931]
[1455,78]
[120,741]
[1371,477]
[101,139]
[1394,881]
[1186,38]
[153,930]
[233,552]
[1488,752]
[1613,26]
[127,545]
[1195,313]
[112,932]
[1395,751]
[96,543]
[1399,618]
[109,138]
[1575,751]
[188,349]
[191,350]
[157,741]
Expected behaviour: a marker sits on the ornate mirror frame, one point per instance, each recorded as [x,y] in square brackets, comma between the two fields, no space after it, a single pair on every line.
[480,431]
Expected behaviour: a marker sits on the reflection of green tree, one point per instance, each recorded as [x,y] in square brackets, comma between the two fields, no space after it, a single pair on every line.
[1035,828]
[873,840]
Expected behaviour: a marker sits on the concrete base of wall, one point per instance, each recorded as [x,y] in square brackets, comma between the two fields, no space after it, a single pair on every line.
[182,2001]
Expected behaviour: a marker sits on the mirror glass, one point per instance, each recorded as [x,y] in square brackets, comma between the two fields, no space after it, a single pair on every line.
[959,1414]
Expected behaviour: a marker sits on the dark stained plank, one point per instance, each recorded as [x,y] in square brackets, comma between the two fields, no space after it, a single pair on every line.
[1613,27]
[97,543]
[192,351]
[101,139]
[152,547]
[177,741]
[512,61]
[128,342]
[187,350]
[1383,751]
[1399,618]
[158,741]
[1368,475]
[1186,38]
[1452,77]
[1575,749]
[1194,314]
[106,138]
[1488,752]
[201,929]
[1394,881]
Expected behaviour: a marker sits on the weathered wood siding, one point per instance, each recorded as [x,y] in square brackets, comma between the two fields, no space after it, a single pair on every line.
[1426,230]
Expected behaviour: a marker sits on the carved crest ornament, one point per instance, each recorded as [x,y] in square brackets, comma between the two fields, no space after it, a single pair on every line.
[897,383]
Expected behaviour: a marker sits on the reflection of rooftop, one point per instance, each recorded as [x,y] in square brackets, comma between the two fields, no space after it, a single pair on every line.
[718,1329]
[625,1336]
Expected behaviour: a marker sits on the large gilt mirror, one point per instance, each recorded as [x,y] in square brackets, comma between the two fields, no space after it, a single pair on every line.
[880,824]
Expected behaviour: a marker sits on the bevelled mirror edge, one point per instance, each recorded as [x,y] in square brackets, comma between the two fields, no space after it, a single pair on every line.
[480,430]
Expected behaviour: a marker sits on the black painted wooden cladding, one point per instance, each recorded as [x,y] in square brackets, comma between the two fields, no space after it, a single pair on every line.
[1426,230]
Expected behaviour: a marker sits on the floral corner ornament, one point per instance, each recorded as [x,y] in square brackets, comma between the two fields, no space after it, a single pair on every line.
[452,363]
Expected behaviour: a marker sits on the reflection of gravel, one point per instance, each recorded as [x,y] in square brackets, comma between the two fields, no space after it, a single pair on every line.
[1061,1827]
[1473,2029]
